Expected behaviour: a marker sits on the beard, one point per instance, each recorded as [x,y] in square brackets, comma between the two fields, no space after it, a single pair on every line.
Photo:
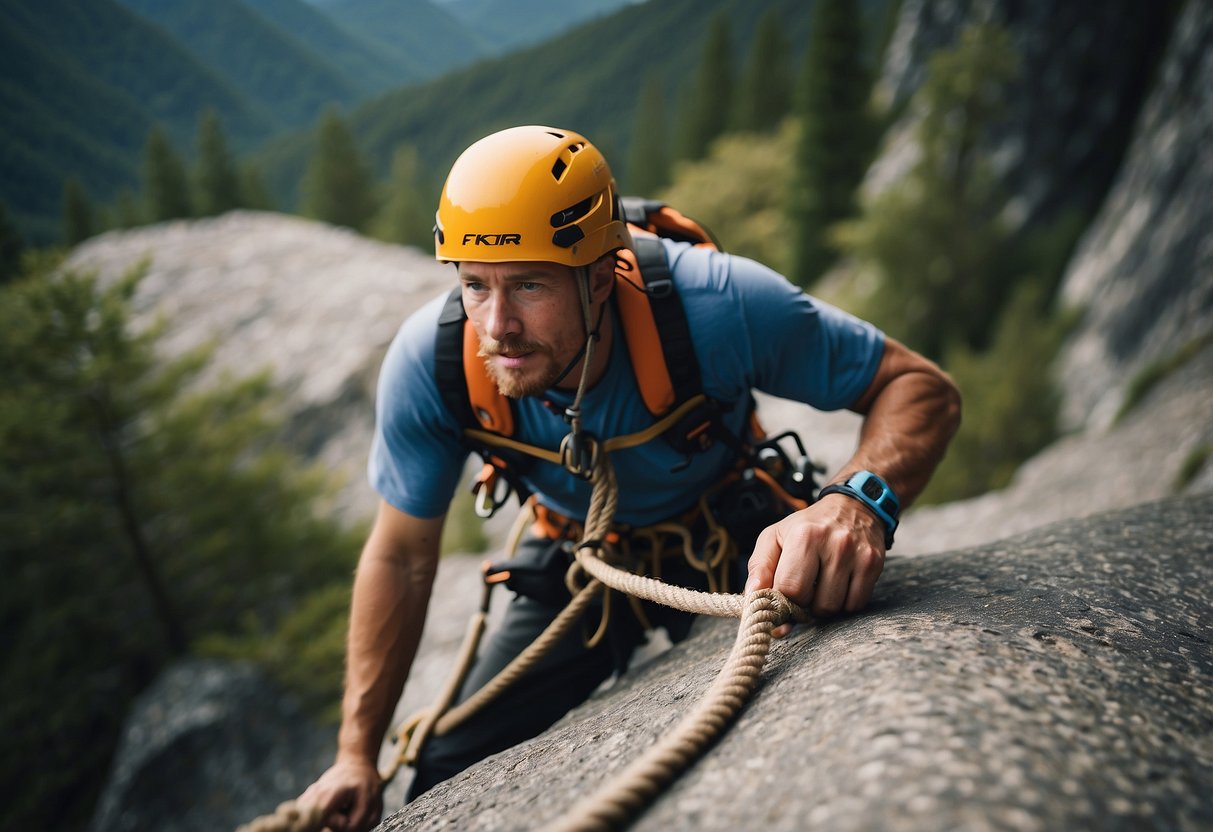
[516,383]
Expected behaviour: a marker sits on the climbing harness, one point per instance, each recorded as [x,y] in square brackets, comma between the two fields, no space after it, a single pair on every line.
[622,798]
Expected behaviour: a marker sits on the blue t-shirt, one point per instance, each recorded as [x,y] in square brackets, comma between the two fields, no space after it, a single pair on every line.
[751,330]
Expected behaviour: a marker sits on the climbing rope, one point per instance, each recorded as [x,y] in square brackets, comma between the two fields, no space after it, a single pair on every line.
[621,799]
[291,816]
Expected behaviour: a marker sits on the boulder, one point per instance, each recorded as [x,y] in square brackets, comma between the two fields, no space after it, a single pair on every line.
[205,748]
[315,304]
[1057,680]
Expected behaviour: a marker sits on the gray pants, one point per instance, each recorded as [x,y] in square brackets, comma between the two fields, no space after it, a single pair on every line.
[563,679]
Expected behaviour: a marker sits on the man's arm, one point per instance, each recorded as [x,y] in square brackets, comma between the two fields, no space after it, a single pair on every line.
[391,592]
[829,555]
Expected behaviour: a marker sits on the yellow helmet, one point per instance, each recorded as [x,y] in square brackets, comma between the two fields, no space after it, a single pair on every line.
[529,193]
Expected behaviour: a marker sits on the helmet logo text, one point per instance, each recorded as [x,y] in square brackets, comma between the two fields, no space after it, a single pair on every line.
[492,239]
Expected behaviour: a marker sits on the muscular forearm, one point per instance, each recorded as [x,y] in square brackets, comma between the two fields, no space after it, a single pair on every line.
[391,593]
[908,424]
[829,555]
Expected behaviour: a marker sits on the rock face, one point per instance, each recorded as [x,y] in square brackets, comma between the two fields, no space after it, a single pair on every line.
[317,305]
[1083,74]
[1145,268]
[1058,680]
[204,748]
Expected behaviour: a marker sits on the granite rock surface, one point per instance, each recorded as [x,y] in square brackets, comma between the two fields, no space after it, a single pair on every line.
[1061,679]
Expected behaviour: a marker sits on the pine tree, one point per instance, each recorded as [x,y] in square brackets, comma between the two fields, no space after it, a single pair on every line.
[12,245]
[78,221]
[765,93]
[707,107]
[836,133]
[141,515]
[338,187]
[217,186]
[126,213]
[166,192]
[648,167]
[253,191]
[407,216]
[934,241]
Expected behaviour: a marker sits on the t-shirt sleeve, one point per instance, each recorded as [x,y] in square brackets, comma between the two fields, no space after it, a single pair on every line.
[416,457]
[778,339]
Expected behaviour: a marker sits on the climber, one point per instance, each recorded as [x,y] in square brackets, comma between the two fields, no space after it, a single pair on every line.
[568,329]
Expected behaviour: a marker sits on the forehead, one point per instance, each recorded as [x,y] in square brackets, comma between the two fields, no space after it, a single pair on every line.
[513,270]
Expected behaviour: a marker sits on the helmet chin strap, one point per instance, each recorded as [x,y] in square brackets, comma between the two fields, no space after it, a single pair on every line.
[578,452]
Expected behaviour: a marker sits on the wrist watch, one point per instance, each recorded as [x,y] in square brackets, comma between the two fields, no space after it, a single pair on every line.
[874,493]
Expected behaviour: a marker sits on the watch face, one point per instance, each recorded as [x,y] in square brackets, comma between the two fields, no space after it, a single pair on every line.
[872,487]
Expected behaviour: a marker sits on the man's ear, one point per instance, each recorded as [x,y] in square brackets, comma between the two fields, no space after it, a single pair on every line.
[602,278]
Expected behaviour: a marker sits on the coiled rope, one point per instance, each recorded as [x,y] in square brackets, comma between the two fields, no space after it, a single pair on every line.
[622,798]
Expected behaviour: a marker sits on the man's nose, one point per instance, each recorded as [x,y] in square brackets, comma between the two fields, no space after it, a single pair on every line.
[500,320]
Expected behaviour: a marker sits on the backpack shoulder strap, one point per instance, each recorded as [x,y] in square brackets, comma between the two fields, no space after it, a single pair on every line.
[655,329]
[463,380]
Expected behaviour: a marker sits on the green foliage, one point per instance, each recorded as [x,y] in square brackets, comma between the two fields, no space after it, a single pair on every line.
[1192,465]
[586,80]
[1010,401]
[941,271]
[649,162]
[253,191]
[85,80]
[166,191]
[932,246]
[215,181]
[464,529]
[140,514]
[126,213]
[740,193]
[78,221]
[270,69]
[1151,375]
[11,247]
[766,85]
[407,216]
[305,653]
[338,187]
[707,108]
[837,136]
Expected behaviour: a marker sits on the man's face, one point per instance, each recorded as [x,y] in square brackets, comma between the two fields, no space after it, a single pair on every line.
[529,321]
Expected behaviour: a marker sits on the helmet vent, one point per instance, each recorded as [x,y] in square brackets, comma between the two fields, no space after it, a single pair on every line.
[557,135]
[574,213]
[562,161]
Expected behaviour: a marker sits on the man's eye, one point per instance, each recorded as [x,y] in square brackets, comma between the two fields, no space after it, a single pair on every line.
[528,286]
[473,286]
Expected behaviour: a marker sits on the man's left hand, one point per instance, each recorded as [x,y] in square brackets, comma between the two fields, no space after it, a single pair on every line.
[826,557]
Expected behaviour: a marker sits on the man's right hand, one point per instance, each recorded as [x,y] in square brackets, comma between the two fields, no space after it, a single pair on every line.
[351,795]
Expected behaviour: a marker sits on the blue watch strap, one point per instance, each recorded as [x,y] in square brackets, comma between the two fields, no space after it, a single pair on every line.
[874,493]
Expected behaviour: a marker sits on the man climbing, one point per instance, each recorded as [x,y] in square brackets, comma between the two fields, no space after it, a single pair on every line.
[582,342]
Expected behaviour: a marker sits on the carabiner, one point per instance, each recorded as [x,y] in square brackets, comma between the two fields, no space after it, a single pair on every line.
[579,453]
